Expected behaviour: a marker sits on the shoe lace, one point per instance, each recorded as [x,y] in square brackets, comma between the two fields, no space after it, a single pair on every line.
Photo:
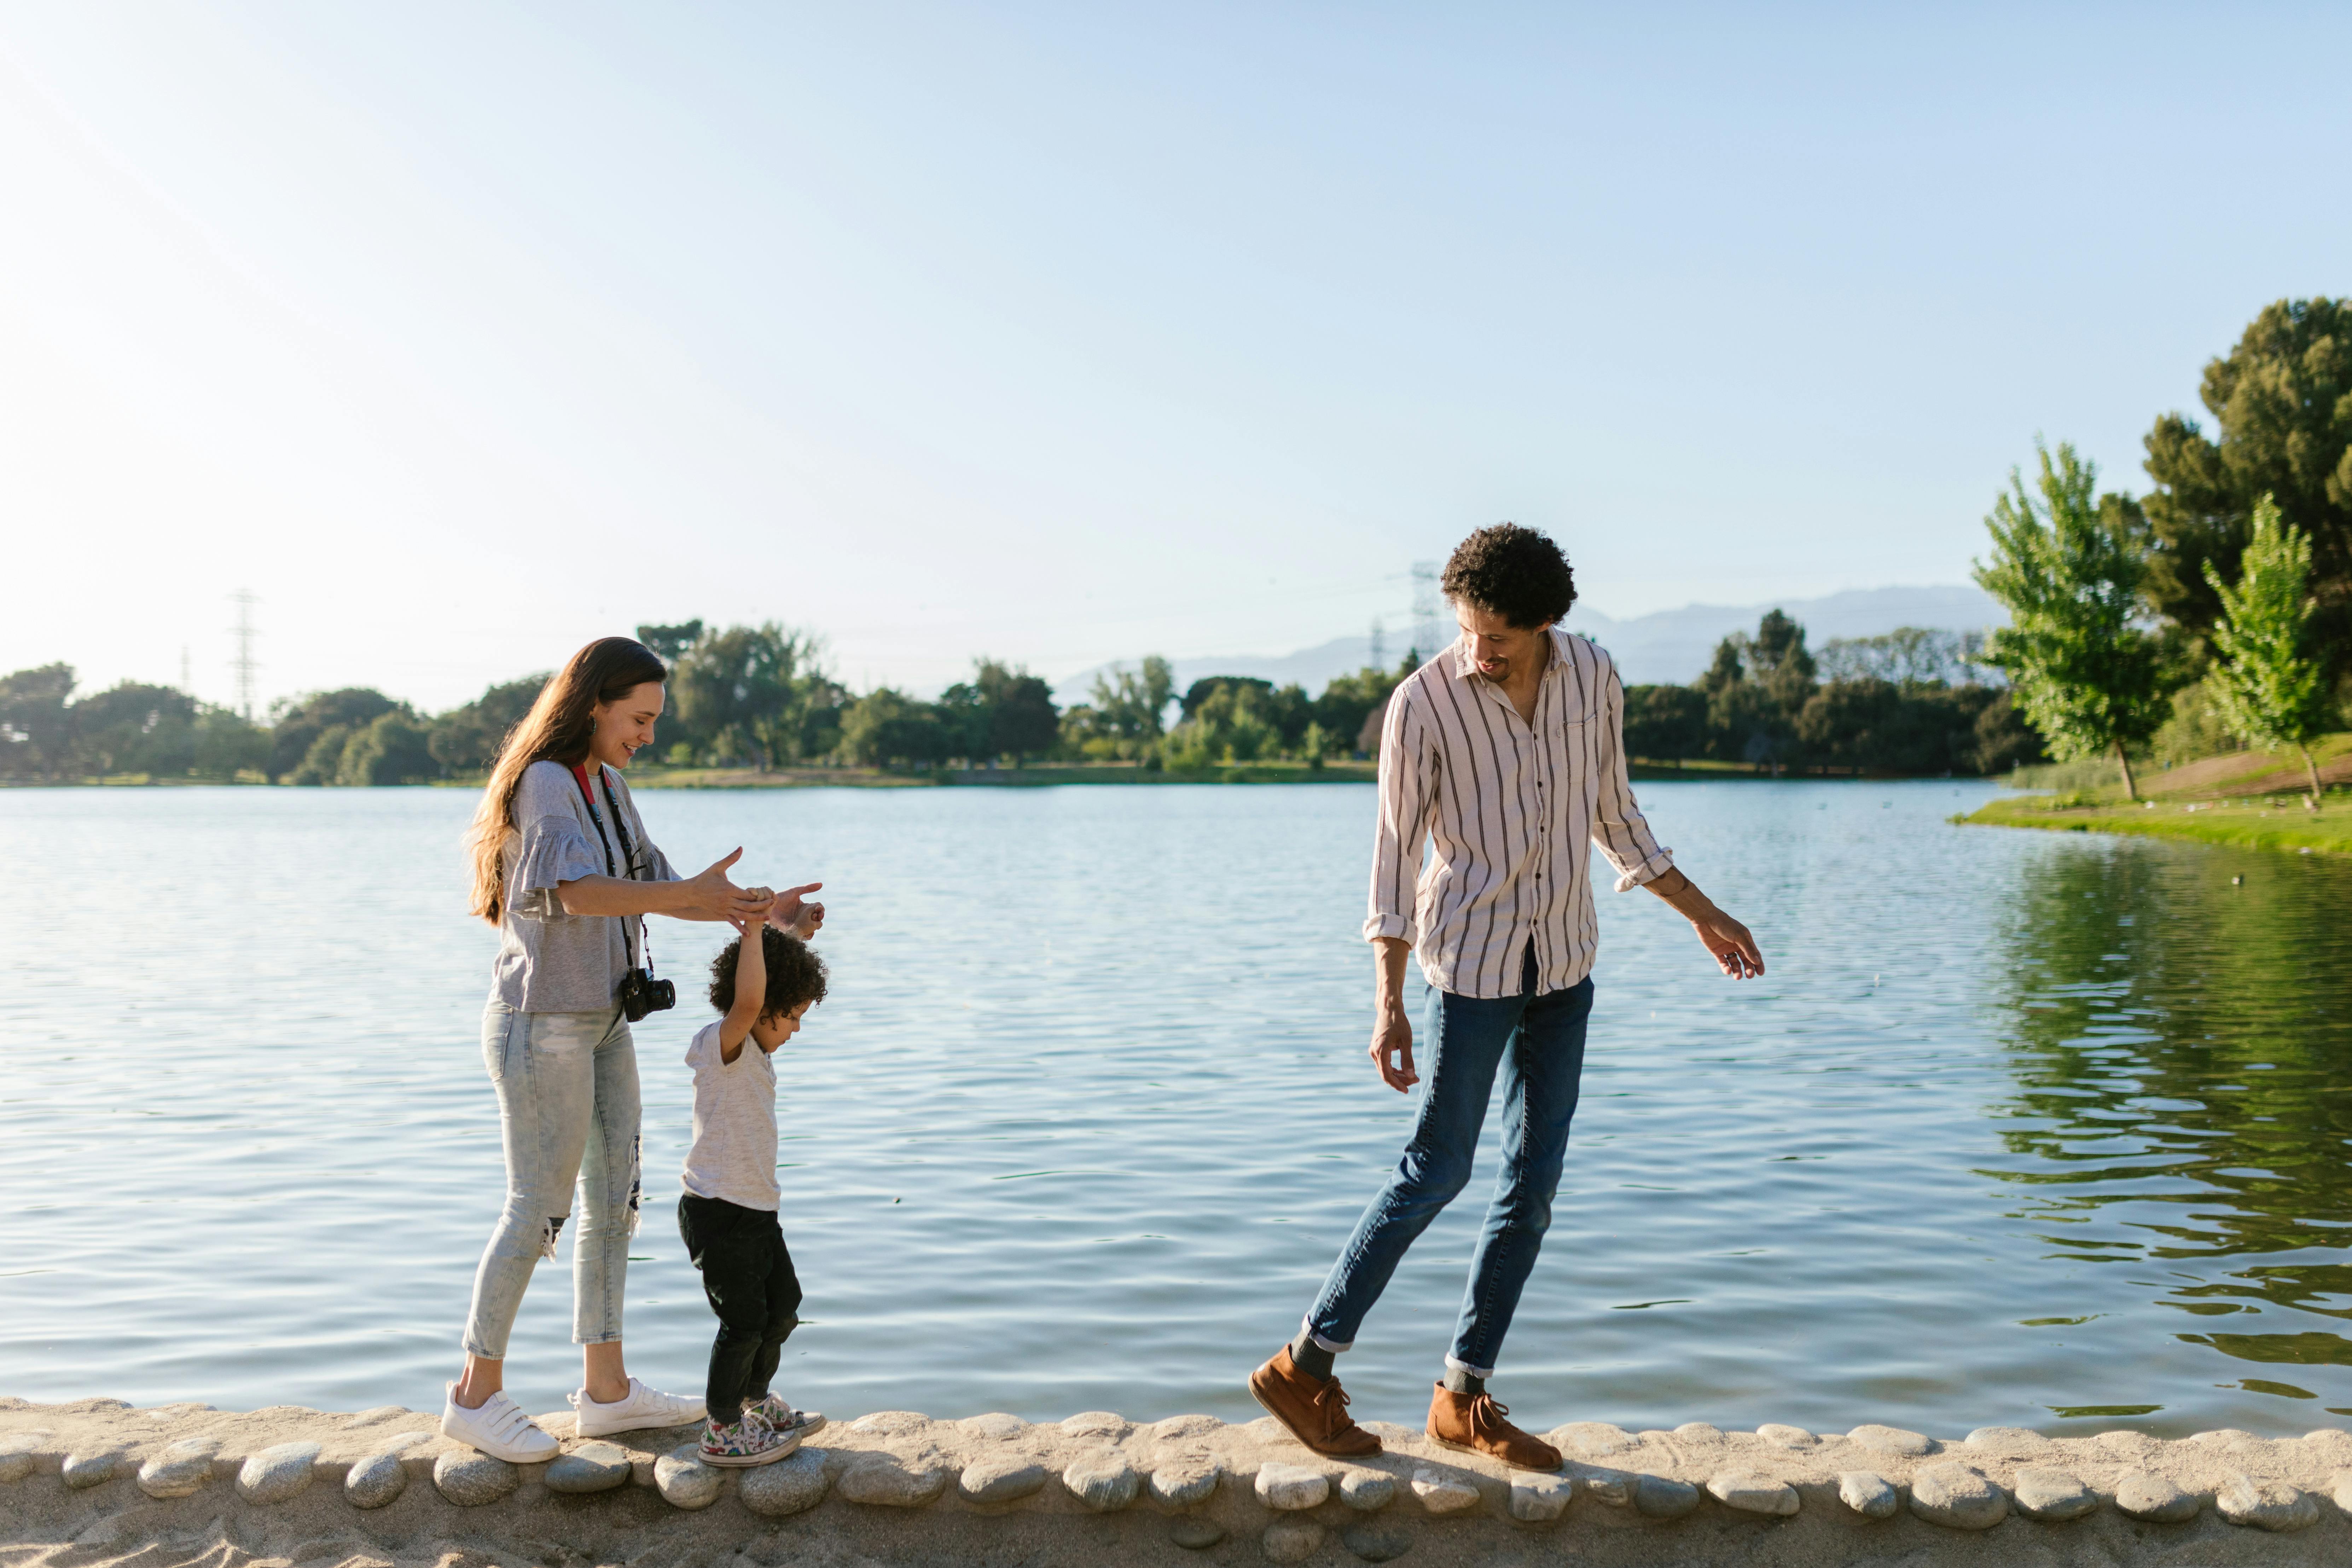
[1331,1394]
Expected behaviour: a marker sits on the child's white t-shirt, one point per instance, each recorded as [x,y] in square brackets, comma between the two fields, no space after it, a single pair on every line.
[733,1157]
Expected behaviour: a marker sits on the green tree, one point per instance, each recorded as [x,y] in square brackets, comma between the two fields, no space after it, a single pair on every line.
[297,722]
[1348,700]
[752,692]
[1003,710]
[2268,688]
[393,749]
[886,726]
[1666,723]
[2282,406]
[36,724]
[467,739]
[322,762]
[1755,687]
[2087,676]
[669,643]
[135,728]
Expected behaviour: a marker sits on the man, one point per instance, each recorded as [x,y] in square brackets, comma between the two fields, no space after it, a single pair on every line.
[1508,750]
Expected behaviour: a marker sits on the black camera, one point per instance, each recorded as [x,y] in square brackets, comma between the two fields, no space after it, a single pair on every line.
[641,993]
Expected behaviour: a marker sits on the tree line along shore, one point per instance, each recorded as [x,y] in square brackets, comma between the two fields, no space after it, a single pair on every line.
[756,705]
[2206,620]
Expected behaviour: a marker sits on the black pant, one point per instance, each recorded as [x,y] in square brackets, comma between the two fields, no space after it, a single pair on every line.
[748,1275]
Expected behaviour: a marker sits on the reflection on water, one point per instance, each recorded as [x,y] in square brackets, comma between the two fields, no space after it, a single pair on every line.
[2180,1026]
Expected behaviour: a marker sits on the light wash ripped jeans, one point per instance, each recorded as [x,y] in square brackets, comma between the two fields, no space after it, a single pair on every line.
[567,1087]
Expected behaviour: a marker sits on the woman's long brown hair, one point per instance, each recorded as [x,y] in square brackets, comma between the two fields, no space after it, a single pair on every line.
[558,728]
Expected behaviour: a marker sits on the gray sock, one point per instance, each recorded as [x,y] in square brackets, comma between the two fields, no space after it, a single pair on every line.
[1460,1382]
[1309,1357]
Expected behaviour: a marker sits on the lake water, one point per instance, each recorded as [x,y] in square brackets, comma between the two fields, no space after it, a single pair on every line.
[2030,1128]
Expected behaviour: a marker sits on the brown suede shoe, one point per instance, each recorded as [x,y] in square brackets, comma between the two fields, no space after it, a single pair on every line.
[1315,1409]
[1474,1423]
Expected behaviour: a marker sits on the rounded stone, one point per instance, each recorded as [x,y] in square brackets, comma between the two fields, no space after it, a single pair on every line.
[1181,1481]
[1096,1424]
[1442,1493]
[789,1486]
[2007,1441]
[1176,1426]
[17,1452]
[1957,1498]
[2266,1505]
[996,1425]
[1593,1439]
[375,1480]
[2153,1498]
[1699,1432]
[589,1468]
[470,1479]
[1750,1493]
[180,1471]
[277,1473]
[1540,1500]
[2340,1489]
[1194,1533]
[2051,1496]
[1367,1491]
[1374,1544]
[1868,1493]
[1292,1540]
[1004,1478]
[1614,1487]
[882,1480]
[1891,1440]
[685,1481]
[1103,1481]
[92,1469]
[1782,1436]
[891,1422]
[1291,1488]
[1662,1496]
[376,1417]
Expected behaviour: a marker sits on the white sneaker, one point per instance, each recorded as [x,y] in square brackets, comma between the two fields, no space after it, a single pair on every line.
[640,1408]
[498,1428]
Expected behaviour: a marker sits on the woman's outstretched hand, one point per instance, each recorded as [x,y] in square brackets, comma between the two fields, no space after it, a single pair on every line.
[711,896]
[793,914]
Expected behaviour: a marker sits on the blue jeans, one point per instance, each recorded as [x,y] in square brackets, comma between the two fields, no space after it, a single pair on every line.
[567,1086]
[1538,1044]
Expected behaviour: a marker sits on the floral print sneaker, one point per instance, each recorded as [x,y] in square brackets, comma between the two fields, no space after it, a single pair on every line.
[745,1441]
[785,1418]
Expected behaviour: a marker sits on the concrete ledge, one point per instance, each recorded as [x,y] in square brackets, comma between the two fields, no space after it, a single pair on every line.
[96,1482]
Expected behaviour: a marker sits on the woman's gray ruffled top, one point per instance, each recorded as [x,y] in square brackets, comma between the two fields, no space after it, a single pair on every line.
[550,961]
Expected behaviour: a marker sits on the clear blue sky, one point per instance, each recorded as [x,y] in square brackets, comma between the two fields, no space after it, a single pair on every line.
[464,332]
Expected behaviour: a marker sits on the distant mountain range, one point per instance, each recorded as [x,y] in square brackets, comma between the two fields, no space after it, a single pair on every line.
[1669,646]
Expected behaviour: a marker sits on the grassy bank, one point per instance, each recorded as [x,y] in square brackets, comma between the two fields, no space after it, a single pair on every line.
[2246,798]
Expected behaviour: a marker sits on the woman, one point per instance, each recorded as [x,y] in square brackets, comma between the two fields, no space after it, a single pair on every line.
[562,866]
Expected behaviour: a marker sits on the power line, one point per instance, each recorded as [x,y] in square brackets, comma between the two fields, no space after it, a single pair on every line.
[244,664]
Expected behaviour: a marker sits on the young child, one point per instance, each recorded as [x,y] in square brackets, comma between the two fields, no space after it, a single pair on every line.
[763,985]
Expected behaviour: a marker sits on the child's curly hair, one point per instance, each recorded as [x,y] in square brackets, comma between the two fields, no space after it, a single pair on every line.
[795,974]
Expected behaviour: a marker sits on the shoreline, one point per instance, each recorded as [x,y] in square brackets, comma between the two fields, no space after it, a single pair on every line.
[94,1483]
[2242,824]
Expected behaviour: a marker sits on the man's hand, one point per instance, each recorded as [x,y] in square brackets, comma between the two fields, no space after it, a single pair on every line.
[792,914]
[1729,943]
[1392,1049]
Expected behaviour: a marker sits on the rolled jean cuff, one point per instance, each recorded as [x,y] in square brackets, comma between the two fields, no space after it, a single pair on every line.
[1456,1363]
[1334,1346]
[613,1338]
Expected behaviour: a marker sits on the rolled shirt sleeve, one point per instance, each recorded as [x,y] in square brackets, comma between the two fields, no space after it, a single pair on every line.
[1407,781]
[1619,830]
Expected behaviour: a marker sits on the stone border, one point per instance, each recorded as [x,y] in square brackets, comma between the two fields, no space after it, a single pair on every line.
[1209,1479]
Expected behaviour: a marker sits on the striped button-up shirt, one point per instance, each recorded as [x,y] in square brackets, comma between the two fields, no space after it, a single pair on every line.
[1511,805]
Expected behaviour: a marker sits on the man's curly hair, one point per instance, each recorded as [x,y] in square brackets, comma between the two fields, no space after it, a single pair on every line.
[795,974]
[1511,572]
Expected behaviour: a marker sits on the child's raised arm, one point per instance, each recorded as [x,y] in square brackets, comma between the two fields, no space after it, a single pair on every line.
[750,991]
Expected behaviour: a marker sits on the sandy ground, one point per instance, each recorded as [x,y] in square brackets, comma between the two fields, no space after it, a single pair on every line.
[72,1496]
